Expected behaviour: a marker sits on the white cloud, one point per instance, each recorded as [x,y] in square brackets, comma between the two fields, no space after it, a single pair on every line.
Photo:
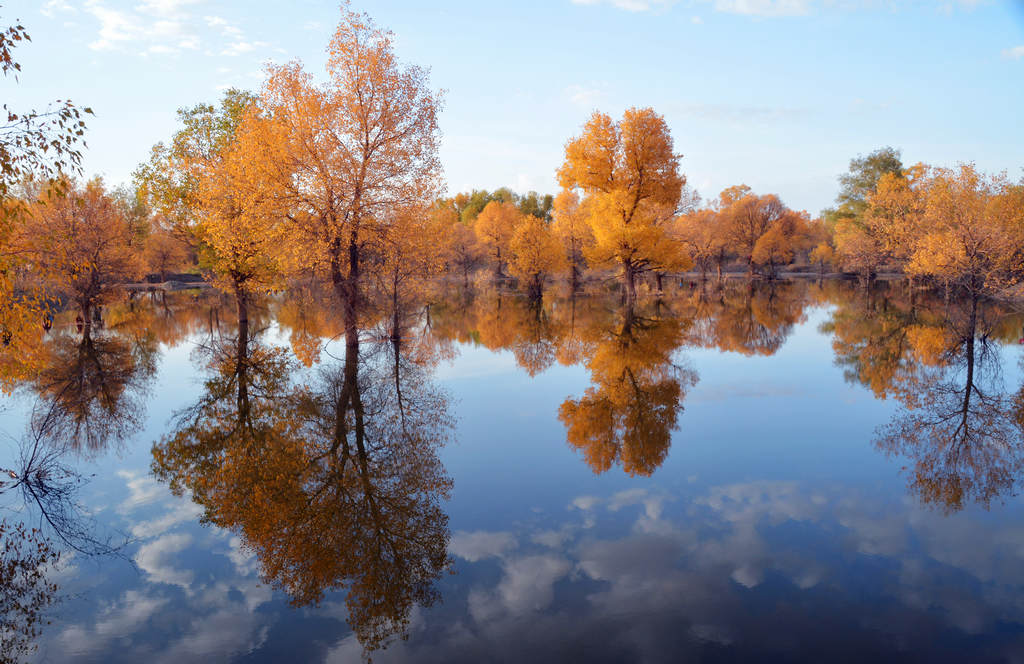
[113,621]
[164,27]
[764,7]
[54,6]
[584,96]
[1016,53]
[528,584]
[144,490]
[155,558]
[115,27]
[240,47]
[585,502]
[165,7]
[631,5]
[183,511]
[480,544]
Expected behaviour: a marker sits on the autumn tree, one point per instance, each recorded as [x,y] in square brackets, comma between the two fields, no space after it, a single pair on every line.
[354,149]
[860,182]
[572,230]
[630,176]
[779,244]
[494,227]
[240,214]
[79,243]
[823,254]
[887,227]
[163,252]
[169,181]
[463,250]
[971,240]
[408,257]
[703,232]
[750,217]
[535,254]
[42,149]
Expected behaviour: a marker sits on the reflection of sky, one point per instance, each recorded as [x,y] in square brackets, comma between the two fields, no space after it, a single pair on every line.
[773,527]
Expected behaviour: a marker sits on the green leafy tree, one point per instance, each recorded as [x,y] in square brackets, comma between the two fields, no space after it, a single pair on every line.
[169,182]
[856,185]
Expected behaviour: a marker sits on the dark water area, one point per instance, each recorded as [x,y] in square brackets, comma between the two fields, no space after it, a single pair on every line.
[798,473]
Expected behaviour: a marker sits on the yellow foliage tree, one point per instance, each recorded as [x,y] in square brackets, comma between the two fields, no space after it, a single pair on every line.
[79,243]
[163,251]
[970,239]
[241,215]
[778,245]
[355,148]
[823,254]
[571,228]
[888,226]
[495,226]
[747,217]
[630,176]
[704,235]
[408,256]
[535,254]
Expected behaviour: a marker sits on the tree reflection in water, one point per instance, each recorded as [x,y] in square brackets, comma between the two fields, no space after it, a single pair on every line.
[958,425]
[26,557]
[629,414]
[333,484]
[91,391]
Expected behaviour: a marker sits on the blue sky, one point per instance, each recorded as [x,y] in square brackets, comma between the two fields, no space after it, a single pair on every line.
[777,94]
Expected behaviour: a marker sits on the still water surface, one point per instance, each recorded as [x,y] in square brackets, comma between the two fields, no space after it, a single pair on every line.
[799,473]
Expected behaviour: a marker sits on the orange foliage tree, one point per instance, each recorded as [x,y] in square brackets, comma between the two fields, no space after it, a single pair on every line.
[630,176]
[748,218]
[79,243]
[535,254]
[704,235]
[571,228]
[355,148]
[240,213]
[494,227]
[972,237]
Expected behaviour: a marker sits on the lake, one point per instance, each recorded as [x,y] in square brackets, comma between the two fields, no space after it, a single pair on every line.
[794,472]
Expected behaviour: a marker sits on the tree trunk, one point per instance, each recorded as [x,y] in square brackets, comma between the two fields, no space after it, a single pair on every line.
[241,358]
[346,286]
[536,288]
[87,314]
[629,293]
[395,319]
